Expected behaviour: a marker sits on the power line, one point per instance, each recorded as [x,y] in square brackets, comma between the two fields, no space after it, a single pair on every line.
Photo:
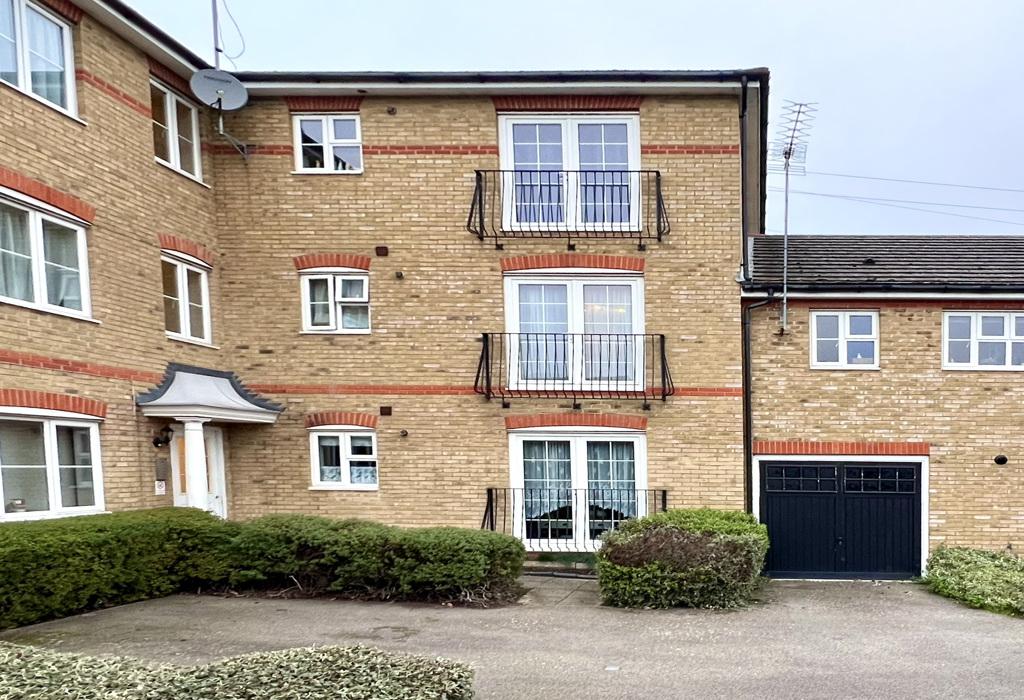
[917,182]
[901,201]
[928,211]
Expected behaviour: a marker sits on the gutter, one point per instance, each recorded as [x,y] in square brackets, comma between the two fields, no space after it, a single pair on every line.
[748,410]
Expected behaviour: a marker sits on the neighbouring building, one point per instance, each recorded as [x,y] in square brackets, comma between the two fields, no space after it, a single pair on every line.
[509,300]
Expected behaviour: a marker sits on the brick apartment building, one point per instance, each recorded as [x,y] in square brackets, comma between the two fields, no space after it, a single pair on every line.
[511,299]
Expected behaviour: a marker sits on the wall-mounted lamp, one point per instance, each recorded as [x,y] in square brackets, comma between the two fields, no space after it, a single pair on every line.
[392,111]
[403,433]
[399,275]
[1000,459]
[163,438]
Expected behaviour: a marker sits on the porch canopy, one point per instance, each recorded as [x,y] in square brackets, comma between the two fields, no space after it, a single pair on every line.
[193,396]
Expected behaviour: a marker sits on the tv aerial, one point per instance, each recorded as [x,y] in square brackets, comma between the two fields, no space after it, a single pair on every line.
[220,90]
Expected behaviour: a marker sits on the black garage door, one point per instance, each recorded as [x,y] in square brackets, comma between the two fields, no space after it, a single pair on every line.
[842,519]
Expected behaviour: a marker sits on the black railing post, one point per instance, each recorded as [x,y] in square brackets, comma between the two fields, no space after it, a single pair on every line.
[487,365]
[666,379]
[481,185]
[664,500]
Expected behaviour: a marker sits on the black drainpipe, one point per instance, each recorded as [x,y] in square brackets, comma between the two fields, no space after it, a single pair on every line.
[748,410]
[744,214]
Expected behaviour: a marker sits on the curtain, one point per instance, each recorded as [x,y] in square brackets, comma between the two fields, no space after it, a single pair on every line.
[46,49]
[15,255]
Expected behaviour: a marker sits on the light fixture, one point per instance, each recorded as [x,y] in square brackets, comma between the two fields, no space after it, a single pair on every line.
[163,438]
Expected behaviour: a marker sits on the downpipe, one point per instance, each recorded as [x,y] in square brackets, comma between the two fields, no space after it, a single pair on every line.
[748,410]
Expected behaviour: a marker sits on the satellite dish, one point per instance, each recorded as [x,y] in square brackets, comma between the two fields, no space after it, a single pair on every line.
[219,89]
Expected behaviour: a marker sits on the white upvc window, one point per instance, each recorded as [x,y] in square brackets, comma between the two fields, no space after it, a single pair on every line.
[49,467]
[175,131]
[36,55]
[983,340]
[568,488]
[328,143]
[582,332]
[844,339]
[186,294]
[575,172]
[43,261]
[335,301]
[343,458]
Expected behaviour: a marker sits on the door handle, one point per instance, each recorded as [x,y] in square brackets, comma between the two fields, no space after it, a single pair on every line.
[839,543]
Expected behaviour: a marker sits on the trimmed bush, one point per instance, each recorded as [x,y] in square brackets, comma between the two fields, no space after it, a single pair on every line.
[54,568]
[369,560]
[692,558]
[979,578]
[353,673]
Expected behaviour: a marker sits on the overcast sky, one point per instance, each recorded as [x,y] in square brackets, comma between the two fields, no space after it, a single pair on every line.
[911,90]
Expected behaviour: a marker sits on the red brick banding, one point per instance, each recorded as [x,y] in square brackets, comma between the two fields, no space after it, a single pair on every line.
[437,149]
[52,402]
[66,9]
[366,420]
[595,420]
[330,103]
[24,359]
[360,389]
[44,193]
[112,90]
[607,262]
[567,103]
[727,149]
[169,241]
[311,260]
[808,447]
[169,78]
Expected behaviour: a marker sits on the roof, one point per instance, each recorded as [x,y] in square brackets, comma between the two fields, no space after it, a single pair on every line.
[920,263]
[206,393]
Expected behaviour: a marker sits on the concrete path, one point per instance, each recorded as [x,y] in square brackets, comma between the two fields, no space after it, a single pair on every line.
[803,640]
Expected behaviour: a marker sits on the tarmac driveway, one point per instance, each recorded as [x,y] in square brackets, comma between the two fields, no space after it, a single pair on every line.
[805,639]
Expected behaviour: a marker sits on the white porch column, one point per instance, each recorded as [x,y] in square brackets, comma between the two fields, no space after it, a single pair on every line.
[195,463]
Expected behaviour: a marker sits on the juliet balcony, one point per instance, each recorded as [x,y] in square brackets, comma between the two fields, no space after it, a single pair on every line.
[574,366]
[569,204]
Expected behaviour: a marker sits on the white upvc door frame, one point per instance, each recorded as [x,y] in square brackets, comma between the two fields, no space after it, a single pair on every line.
[579,479]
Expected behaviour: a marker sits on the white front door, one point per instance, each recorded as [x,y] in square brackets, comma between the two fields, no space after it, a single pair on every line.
[214,440]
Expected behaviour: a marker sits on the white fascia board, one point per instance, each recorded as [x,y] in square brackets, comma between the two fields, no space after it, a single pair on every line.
[225,415]
[949,296]
[539,88]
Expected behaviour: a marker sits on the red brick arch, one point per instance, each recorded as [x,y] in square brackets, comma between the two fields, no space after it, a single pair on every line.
[311,260]
[48,401]
[607,262]
[592,420]
[366,420]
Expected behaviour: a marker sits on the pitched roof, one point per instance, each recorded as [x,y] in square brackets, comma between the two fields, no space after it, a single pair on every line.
[891,262]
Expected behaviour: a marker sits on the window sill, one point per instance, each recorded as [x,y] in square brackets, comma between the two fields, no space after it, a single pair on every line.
[985,368]
[179,171]
[49,514]
[364,489]
[55,311]
[46,103]
[191,341]
[327,172]
[849,368]
[359,332]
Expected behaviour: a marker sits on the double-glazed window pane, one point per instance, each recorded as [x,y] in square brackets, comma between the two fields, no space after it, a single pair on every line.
[320,302]
[23,467]
[74,460]
[539,184]
[604,178]
[175,139]
[186,137]
[985,340]
[172,302]
[161,123]
[544,344]
[347,459]
[846,339]
[15,254]
[60,256]
[337,303]
[185,300]
[312,142]
[958,329]
[362,466]
[46,57]
[330,143]
[8,43]
[827,339]
[609,347]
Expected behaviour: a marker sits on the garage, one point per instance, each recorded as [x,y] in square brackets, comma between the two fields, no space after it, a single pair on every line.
[848,519]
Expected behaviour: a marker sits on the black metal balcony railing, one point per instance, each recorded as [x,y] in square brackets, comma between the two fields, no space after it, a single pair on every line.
[573,365]
[566,519]
[568,204]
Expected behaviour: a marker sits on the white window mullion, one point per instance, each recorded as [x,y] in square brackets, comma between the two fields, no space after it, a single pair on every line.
[39,291]
[52,466]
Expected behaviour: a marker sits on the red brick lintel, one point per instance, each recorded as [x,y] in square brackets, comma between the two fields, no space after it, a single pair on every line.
[312,260]
[840,447]
[44,193]
[366,420]
[607,262]
[179,244]
[52,402]
[598,420]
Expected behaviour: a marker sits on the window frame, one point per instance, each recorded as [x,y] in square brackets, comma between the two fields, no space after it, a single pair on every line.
[37,214]
[569,122]
[575,280]
[50,421]
[578,472]
[183,264]
[327,123]
[344,433]
[22,55]
[845,336]
[335,276]
[171,100]
[1009,337]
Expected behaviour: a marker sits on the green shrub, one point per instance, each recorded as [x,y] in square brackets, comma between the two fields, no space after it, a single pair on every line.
[369,560]
[353,673]
[54,568]
[695,558]
[980,578]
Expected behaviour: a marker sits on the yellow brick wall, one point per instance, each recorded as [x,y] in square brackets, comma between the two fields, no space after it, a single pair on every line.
[967,417]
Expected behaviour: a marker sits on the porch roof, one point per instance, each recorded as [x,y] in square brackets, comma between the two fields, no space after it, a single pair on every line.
[212,394]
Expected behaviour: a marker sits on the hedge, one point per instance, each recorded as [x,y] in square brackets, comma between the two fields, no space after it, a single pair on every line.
[54,568]
[370,560]
[352,673]
[979,578]
[693,558]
